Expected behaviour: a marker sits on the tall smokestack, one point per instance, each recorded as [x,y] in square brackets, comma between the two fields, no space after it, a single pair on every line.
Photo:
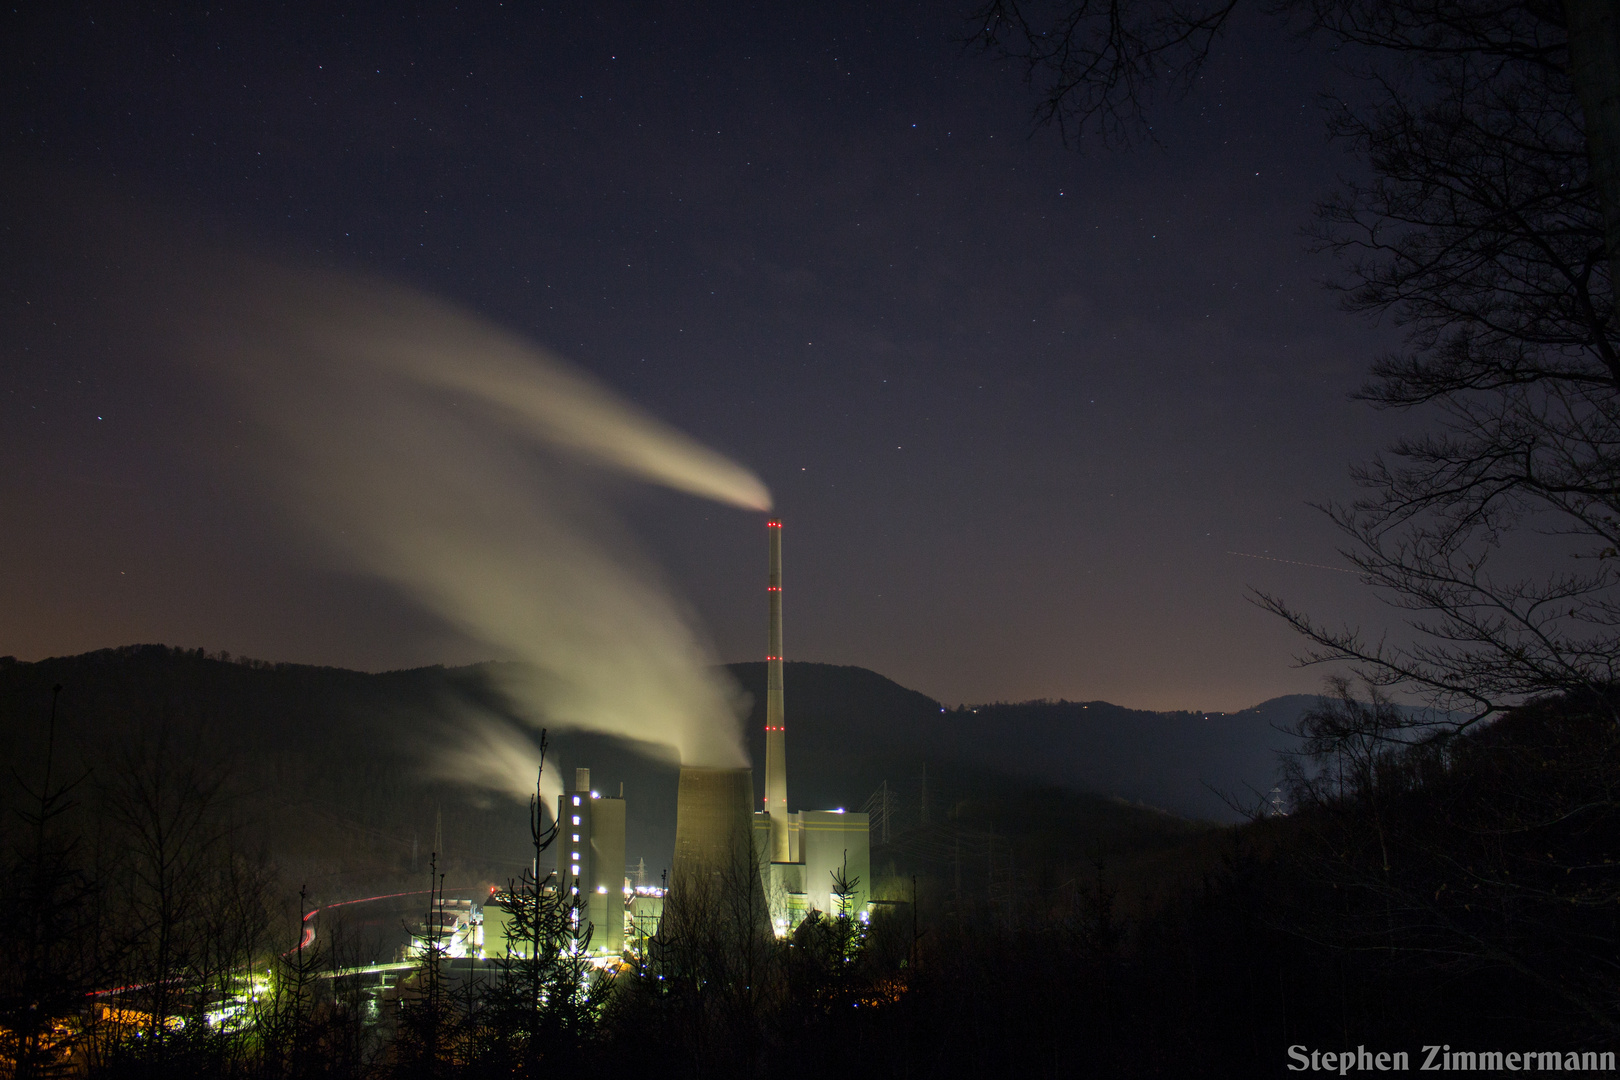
[775,734]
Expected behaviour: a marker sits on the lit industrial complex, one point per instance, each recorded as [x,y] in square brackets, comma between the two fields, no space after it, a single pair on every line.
[799,862]
[812,860]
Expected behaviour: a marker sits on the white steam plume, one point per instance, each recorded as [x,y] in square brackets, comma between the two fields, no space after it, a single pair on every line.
[440,453]
[486,752]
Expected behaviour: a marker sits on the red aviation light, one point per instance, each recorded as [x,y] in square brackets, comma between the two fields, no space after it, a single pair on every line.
[773,588]
[773,524]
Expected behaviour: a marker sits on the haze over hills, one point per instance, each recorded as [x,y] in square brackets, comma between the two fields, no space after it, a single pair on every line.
[337,765]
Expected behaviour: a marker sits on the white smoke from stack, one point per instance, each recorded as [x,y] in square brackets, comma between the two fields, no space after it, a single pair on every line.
[369,335]
[466,466]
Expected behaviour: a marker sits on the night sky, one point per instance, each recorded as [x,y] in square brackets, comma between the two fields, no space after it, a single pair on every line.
[1019,405]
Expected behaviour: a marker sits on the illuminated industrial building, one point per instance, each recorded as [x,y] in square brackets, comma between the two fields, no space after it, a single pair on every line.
[825,847]
[643,917]
[590,866]
[454,927]
[590,869]
[590,859]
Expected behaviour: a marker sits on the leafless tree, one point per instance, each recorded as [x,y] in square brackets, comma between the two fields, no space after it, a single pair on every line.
[713,978]
[1483,234]
[49,955]
[311,1023]
[1098,63]
[1490,230]
[187,893]
[1491,849]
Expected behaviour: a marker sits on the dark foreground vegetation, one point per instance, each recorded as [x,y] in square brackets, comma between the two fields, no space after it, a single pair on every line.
[1461,890]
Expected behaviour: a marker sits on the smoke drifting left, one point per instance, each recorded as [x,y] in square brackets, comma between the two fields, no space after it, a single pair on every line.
[421,445]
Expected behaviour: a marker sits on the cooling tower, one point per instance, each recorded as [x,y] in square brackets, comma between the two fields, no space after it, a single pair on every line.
[714,826]
[715,889]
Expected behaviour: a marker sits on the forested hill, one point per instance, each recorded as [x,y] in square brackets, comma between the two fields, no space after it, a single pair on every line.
[325,763]
[335,761]
[856,726]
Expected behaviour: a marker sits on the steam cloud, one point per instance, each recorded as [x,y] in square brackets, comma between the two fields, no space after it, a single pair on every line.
[489,753]
[464,465]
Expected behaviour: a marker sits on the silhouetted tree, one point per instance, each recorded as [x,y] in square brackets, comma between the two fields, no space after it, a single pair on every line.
[542,1009]
[1495,850]
[188,901]
[311,1022]
[825,974]
[705,996]
[1490,229]
[431,1039]
[48,946]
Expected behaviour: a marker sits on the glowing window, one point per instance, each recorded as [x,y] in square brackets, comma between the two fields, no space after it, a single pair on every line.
[576,838]
[576,800]
[576,819]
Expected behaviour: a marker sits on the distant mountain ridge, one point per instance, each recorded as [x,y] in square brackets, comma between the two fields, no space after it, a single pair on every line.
[336,756]
[858,725]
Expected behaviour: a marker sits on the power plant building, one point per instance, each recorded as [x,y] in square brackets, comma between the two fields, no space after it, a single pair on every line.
[713,830]
[828,869]
[590,860]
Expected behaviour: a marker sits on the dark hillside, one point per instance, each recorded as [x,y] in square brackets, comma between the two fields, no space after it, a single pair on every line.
[1189,763]
[332,761]
[849,729]
[325,761]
